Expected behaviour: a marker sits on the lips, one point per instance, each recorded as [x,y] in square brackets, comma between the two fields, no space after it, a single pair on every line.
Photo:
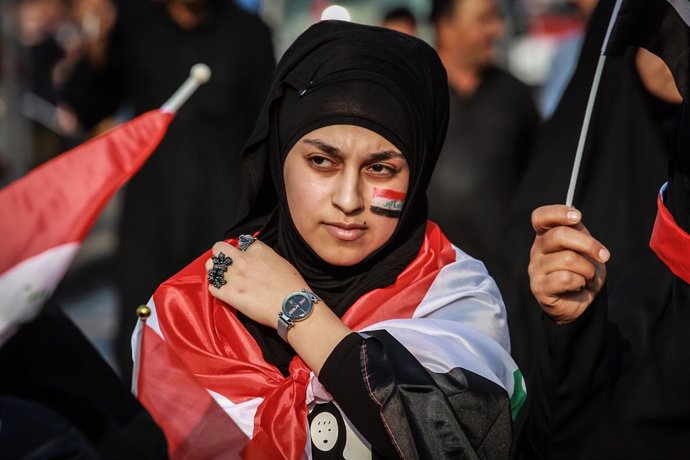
[345,231]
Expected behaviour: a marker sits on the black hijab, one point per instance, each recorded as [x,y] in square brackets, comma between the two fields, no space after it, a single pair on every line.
[344,73]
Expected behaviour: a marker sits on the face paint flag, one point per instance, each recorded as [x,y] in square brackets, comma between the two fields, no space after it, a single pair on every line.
[46,214]
[387,202]
[660,26]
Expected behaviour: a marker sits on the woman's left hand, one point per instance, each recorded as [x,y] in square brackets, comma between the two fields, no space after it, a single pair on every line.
[257,281]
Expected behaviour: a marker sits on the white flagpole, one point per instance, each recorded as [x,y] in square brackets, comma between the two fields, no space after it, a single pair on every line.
[198,75]
[590,107]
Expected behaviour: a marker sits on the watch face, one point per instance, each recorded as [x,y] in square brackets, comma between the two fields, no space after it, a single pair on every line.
[297,306]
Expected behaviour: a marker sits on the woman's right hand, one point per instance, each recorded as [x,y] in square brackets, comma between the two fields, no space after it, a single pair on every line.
[567,265]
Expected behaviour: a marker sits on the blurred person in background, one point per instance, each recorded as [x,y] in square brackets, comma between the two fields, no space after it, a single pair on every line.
[565,60]
[493,120]
[137,54]
[400,19]
[47,42]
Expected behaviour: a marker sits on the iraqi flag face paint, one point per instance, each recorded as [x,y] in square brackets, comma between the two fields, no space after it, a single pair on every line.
[387,202]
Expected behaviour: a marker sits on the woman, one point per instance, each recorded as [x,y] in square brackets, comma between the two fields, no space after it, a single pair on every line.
[390,342]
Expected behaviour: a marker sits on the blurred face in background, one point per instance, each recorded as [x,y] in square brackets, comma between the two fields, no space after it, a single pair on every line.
[188,14]
[585,7]
[470,34]
[401,25]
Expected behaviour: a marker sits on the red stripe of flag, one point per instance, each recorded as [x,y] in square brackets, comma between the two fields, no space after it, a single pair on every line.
[195,426]
[58,202]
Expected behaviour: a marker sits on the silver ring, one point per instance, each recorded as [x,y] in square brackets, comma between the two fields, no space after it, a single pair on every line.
[216,275]
[245,242]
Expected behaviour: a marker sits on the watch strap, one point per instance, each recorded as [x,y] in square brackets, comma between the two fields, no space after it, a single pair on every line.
[284,324]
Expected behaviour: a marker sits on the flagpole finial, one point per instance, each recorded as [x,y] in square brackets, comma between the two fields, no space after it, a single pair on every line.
[143,312]
[198,75]
[201,73]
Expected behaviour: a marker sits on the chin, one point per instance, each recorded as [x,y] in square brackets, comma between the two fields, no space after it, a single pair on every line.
[342,258]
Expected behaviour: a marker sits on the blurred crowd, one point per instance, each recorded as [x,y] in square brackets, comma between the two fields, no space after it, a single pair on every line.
[71,69]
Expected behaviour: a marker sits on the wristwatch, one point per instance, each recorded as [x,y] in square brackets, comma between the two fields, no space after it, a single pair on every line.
[296,307]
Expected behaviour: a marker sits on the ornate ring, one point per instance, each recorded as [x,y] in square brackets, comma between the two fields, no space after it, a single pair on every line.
[216,275]
[246,241]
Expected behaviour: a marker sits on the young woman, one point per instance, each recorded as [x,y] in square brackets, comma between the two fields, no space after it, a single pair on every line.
[347,326]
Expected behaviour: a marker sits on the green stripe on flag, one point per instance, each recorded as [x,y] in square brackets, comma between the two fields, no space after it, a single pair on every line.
[519,394]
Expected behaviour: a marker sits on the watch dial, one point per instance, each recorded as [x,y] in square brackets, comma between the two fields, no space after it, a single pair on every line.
[297,306]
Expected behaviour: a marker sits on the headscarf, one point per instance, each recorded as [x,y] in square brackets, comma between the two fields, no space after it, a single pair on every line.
[344,73]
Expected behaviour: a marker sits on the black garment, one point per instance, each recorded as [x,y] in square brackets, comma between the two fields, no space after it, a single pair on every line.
[624,164]
[457,414]
[78,401]
[615,383]
[185,196]
[490,134]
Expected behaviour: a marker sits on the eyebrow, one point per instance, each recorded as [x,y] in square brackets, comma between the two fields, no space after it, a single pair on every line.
[336,152]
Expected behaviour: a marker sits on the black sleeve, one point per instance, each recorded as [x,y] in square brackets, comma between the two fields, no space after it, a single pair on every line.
[353,395]
[407,411]
[573,380]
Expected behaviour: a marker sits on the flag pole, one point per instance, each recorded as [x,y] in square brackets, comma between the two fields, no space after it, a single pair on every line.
[143,312]
[590,107]
[585,128]
[198,75]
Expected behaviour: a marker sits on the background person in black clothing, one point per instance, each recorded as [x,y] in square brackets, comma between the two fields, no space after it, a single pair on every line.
[493,120]
[612,376]
[624,163]
[183,198]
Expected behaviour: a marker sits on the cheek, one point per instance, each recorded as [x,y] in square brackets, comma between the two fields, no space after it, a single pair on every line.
[303,196]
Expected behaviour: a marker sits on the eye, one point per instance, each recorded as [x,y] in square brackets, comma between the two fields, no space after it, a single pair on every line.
[382,170]
[321,162]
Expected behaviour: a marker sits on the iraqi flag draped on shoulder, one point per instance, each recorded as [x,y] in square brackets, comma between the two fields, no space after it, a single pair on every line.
[444,309]
[45,215]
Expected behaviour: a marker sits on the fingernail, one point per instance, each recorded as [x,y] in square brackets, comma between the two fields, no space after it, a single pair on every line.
[573,216]
[604,255]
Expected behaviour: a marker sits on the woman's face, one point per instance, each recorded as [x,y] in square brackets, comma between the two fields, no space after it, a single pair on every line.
[345,188]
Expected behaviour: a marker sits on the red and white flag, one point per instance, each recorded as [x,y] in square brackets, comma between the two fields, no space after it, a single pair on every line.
[45,215]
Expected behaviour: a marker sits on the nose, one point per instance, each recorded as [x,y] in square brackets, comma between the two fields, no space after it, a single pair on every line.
[347,193]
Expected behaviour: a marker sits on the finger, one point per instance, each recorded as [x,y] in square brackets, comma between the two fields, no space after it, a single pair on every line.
[547,217]
[559,282]
[567,238]
[225,248]
[570,261]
